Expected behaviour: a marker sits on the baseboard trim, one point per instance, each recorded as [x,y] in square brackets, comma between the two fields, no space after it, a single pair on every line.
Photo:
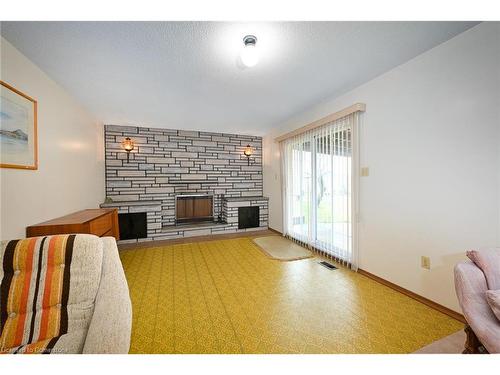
[415,296]
[275,231]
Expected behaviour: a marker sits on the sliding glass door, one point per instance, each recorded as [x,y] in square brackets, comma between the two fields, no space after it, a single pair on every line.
[332,192]
[301,190]
[318,189]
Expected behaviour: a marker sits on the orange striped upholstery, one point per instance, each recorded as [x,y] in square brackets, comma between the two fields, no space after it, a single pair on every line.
[34,293]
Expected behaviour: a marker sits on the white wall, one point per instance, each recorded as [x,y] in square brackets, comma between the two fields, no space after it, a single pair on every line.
[70,175]
[430,136]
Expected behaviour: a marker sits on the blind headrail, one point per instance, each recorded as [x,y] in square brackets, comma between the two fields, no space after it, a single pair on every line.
[358,107]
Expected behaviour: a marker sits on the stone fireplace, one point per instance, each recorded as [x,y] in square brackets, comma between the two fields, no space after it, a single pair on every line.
[186,182]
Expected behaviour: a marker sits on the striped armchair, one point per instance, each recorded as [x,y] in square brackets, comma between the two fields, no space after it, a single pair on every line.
[63,294]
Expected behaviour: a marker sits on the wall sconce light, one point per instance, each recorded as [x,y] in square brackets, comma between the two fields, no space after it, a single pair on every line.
[128,145]
[248,152]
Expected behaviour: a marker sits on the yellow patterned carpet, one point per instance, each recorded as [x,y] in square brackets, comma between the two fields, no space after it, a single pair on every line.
[226,296]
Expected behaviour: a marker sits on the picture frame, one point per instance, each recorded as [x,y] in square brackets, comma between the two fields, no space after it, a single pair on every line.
[18,129]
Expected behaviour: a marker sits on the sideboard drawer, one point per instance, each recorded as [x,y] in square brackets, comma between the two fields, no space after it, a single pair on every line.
[101,225]
[100,222]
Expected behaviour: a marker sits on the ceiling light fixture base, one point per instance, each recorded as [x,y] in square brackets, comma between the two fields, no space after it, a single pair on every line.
[250,39]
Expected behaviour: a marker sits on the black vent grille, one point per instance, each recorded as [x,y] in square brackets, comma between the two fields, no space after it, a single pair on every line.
[328,265]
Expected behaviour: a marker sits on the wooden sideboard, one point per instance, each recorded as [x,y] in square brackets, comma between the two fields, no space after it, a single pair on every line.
[100,221]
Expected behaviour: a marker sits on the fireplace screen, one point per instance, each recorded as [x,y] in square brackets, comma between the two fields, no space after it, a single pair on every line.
[132,226]
[248,217]
[191,208]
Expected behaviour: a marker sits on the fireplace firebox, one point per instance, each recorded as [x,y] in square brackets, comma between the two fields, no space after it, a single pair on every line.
[248,217]
[132,225]
[192,208]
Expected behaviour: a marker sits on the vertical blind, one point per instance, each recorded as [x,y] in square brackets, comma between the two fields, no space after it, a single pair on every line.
[319,170]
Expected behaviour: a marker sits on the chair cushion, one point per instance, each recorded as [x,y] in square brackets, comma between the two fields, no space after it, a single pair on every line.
[488,260]
[493,298]
[48,289]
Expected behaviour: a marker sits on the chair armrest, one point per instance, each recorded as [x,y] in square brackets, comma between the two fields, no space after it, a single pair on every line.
[111,323]
[470,286]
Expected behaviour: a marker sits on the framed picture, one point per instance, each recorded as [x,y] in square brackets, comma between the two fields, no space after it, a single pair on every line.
[18,137]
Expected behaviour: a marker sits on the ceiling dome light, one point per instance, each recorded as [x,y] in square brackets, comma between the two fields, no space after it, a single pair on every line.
[249,54]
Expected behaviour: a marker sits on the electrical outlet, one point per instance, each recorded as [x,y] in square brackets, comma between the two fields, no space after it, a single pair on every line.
[365,172]
[425,262]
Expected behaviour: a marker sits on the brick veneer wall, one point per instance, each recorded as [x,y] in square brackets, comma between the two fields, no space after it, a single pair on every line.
[166,163]
[230,210]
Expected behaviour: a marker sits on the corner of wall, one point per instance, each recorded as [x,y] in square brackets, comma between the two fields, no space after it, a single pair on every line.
[70,175]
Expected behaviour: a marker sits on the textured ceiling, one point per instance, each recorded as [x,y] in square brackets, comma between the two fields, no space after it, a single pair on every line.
[186,75]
